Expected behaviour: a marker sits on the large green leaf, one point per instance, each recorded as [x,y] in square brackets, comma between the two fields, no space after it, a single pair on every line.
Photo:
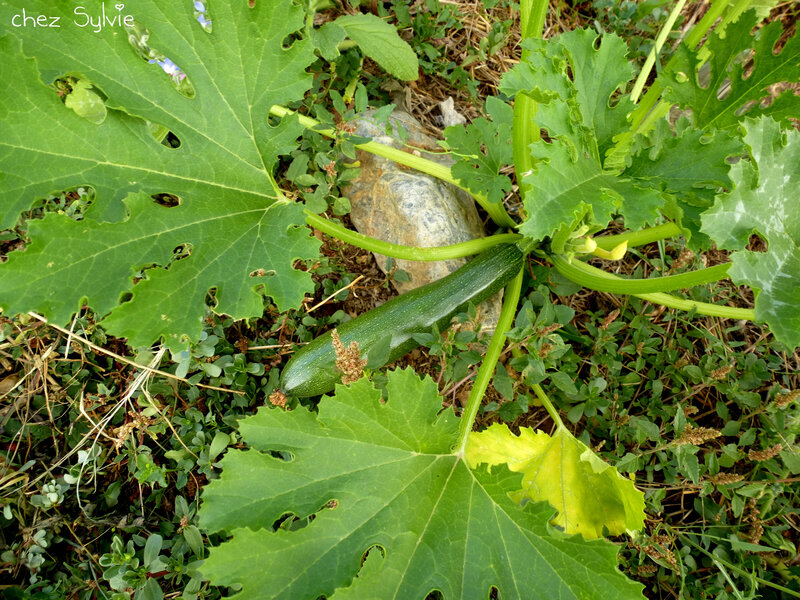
[221,172]
[574,78]
[380,475]
[578,80]
[722,91]
[764,202]
[689,166]
[573,84]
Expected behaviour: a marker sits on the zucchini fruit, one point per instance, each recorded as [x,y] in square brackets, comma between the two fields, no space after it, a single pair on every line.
[312,370]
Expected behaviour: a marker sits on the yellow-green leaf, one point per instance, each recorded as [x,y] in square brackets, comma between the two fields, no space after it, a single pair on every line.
[588,493]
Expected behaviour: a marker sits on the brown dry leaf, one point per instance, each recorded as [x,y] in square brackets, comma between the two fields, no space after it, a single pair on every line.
[7,383]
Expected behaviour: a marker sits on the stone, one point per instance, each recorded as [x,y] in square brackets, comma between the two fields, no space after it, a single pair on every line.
[400,205]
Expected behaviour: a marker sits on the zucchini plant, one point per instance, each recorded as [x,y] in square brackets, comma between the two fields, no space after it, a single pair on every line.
[177,127]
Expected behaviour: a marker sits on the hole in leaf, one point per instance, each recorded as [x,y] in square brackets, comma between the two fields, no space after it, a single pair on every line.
[263,273]
[724,90]
[251,3]
[435,595]
[703,76]
[376,549]
[73,203]
[163,135]
[287,42]
[166,200]
[125,297]
[138,37]
[171,141]
[211,297]
[371,560]
[281,455]
[181,252]
[202,15]
[597,42]
[290,522]
[85,100]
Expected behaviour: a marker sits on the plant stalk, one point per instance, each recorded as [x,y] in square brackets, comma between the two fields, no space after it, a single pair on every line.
[360,240]
[486,370]
[638,86]
[495,210]
[639,238]
[524,131]
[578,270]
[587,276]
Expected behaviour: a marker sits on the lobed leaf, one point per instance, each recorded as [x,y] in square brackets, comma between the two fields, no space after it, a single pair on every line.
[220,173]
[379,485]
[578,81]
[764,202]
[483,148]
[689,166]
[723,90]
[590,495]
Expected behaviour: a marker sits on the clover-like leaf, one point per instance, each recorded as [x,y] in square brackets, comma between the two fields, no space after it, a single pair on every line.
[377,483]
[168,224]
[590,495]
[764,202]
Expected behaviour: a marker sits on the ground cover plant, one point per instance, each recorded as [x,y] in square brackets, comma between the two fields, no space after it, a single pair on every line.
[169,148]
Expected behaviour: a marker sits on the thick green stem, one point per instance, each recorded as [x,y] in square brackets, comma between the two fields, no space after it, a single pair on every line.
[418,163]
[587,276]
[578,269]
[531,17]
[639,238]
[714,12]
[486,370]
[525,131]
[408,252]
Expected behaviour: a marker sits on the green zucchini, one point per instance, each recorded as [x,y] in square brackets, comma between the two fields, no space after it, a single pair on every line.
[312,370]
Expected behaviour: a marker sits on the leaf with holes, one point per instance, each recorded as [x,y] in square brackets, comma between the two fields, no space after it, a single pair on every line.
[764,202]
[728,87]
[574,78]
[577,80]
[212,91]
[377,482]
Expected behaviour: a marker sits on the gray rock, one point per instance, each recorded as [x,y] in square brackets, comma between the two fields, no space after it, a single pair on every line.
[400,205]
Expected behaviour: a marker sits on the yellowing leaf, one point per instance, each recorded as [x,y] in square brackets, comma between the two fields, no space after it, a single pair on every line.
[588,493]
